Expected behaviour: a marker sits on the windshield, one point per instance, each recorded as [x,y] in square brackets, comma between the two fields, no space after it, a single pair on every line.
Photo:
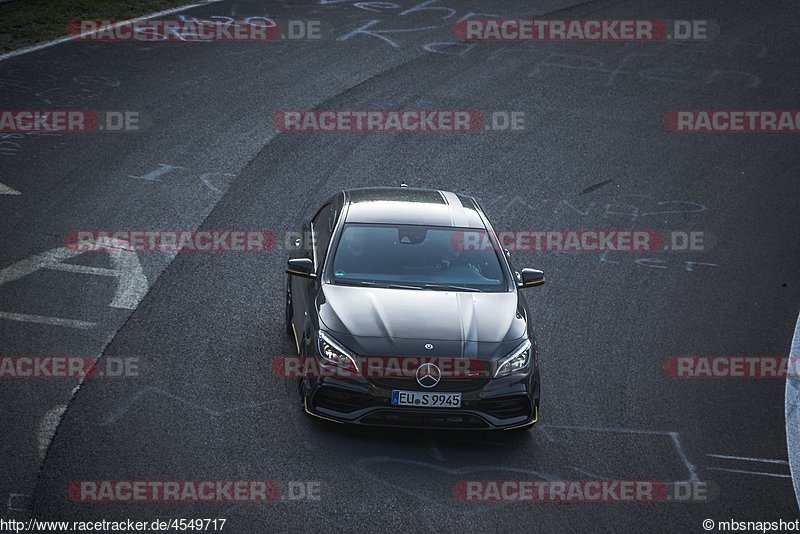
[417,257]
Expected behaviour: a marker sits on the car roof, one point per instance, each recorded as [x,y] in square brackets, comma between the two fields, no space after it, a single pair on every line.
[409,205]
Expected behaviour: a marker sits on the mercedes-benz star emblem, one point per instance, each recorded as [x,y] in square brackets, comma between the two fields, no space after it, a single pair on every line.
[428,375]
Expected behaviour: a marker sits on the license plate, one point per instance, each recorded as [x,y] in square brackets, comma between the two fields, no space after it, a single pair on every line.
[425,399]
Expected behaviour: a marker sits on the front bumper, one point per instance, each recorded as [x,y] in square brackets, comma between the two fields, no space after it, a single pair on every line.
[495,404]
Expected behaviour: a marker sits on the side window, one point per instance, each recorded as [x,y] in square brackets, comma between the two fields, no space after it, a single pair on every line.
[322,228]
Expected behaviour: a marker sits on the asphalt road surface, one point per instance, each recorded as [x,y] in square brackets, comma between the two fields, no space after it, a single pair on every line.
[594,154]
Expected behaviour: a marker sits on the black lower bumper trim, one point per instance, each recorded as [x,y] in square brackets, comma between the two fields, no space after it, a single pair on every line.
[419,419]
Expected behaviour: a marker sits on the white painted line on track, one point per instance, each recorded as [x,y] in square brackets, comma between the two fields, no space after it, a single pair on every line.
[18,502]
[47,427]
[749,459]
[5,190]
[66,39]
[674,437]
[39,319]
[132,284]
[759,473]
[792,413]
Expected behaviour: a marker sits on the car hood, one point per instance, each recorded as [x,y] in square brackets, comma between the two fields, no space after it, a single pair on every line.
[398,314]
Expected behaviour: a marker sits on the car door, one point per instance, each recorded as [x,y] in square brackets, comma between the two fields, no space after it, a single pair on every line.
[315,241]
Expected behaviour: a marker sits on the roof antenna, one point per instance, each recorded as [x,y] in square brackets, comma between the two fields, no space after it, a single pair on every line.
[403,184]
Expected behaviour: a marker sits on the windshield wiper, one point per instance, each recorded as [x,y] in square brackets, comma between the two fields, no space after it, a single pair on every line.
[400,286]
[438,287]
[435,287]
[354,282]
[371,283]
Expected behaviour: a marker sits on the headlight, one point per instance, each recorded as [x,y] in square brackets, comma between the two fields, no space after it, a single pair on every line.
[332,352]
[516,361]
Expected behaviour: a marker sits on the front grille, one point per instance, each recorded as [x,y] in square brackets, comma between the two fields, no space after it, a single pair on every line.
[445,384]
[419,419]
[506,407]
[341,400]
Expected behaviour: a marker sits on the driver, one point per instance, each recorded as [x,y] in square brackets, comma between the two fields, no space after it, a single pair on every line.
[452,255]
[351,256]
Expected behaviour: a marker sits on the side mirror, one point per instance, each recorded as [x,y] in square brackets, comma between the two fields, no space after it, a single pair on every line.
[301,267]
[531,278]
